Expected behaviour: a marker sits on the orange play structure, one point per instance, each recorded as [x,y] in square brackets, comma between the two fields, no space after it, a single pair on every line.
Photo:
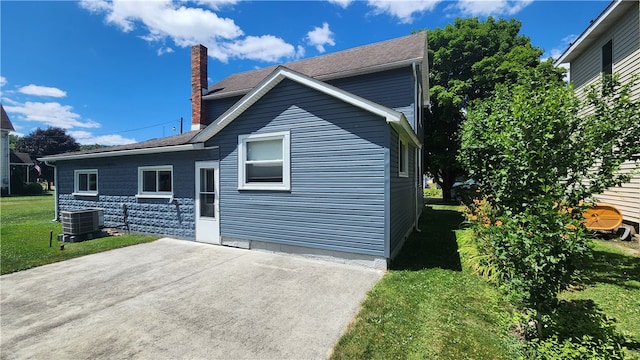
[602,217]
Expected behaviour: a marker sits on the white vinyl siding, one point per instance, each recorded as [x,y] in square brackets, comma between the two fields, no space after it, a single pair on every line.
[586,70]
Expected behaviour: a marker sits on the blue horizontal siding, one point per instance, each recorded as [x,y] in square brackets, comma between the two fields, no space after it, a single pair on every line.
[118,184]
[217,107]
[402,197]
[392,88]
[336,200]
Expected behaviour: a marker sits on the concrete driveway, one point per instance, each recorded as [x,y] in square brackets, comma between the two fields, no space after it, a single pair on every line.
[173,299]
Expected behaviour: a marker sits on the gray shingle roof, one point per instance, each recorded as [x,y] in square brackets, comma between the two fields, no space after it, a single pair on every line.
[20,158]
[5,123]
[175,140]
[361,59]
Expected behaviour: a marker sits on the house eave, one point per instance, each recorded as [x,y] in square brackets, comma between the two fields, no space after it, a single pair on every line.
[602,23]
[154,150]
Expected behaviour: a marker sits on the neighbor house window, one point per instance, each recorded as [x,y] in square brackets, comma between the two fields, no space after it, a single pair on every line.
[607,58]
[155,181]
[263,162]
[86,182]
[403,158]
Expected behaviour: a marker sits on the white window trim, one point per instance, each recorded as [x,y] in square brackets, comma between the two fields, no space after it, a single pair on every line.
[156,194]
[286,162]
[76,190]
[403,161]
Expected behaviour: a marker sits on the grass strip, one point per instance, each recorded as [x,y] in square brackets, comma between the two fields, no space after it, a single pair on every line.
[26,226]
[426,306]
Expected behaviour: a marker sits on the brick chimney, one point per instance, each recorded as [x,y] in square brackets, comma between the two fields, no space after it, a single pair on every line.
[198,84]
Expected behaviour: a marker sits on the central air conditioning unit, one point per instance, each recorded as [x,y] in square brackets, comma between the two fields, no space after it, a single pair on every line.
[79,222]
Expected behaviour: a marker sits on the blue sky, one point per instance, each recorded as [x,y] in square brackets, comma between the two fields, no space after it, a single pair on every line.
[119,72]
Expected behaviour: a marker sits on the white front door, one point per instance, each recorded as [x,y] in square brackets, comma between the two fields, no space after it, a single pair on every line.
[207,202]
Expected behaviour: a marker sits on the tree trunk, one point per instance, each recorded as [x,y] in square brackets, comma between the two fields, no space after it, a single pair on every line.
[448,179]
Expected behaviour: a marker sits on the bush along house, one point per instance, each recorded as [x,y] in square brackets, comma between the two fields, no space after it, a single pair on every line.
[320,157]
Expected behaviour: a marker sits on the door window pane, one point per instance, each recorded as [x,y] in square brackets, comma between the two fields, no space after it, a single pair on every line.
[207,205]
[207,193]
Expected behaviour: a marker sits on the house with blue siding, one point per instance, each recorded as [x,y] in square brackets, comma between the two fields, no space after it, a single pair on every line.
[320,157]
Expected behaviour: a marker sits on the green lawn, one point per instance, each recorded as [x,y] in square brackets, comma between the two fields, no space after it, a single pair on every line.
[428,307]
[26,224]
[614,286]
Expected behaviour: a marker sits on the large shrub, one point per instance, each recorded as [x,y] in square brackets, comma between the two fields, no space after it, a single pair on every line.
[539,159]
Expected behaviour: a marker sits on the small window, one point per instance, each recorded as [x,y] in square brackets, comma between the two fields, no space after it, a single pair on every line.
[155,180]
[86,182]
[403,159]
[607,58]
[263,162]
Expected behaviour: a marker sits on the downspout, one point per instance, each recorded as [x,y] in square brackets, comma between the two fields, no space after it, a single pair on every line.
[416,167]
[55,189]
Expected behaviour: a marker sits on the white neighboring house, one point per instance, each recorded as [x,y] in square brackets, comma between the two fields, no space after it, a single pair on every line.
[611,44]
[5,128]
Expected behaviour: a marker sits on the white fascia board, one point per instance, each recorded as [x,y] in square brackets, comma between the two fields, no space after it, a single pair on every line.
[577,44]
[156,150]
[405,130]
[391,116]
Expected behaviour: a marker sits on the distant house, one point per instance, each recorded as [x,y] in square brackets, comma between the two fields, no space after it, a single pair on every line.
[320,156]
[20,163]
[5,175]
[611,44]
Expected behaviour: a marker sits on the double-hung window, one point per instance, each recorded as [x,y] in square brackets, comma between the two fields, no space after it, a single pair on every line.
[263,161]
[155,181]
[403,158]
[85,182]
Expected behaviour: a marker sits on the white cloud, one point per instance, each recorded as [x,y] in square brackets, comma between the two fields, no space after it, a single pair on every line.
[38,90]
[491,7]
[165,50]
[557,51]
[342,3]
[87,138]
[7,101]
[163,20]
[301,51]
[265,48]
[216,4]
[51,114]
[319,37]
[403,10]
[3,81]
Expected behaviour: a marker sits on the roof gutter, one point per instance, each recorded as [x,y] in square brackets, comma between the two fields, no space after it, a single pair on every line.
[154,150]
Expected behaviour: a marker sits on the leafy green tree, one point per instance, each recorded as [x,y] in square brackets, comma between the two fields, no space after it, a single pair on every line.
[50,141]
[466,61]
[92,147]
[539,157]
[13,141]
